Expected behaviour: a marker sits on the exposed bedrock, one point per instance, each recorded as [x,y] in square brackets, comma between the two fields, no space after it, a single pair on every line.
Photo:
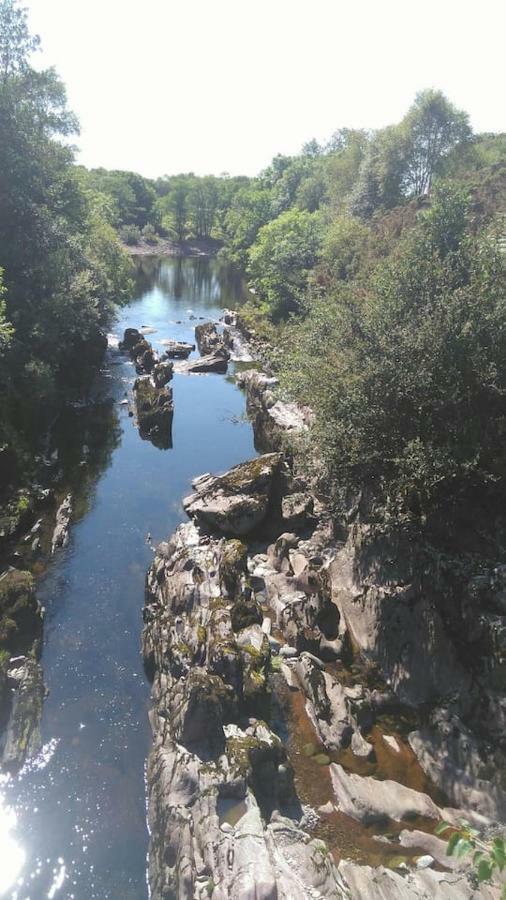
[275,422]
[422,624]
[222,805]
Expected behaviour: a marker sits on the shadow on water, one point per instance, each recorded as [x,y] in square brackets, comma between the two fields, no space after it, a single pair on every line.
[81,823]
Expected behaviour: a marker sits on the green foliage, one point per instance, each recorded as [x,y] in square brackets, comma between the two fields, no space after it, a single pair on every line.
[149,234]
[406,372]
[281,259]
[130,235]
[61,262]
[489,857]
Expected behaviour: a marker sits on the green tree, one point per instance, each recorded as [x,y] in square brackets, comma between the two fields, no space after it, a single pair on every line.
[281,259]
[434,127]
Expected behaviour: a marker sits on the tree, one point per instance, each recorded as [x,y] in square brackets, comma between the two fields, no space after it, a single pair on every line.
[281,259]
[16,42]
[434,127]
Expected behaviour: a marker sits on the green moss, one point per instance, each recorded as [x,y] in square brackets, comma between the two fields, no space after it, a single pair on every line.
[201,634]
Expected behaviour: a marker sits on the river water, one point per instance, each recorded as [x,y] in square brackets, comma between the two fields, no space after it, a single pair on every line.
[73,823]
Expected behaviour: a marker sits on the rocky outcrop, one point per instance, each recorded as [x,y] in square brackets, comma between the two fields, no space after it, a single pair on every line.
[220,786]
[369,800]
[275,422]
[209,341]
[60,536]
[215,362]
[468,773]
[388,593]
[237,502]
[155,411]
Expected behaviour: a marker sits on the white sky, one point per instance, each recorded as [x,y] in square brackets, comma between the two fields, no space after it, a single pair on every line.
[223,85]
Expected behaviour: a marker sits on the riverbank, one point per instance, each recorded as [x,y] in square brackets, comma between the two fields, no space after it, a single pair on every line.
[204,248]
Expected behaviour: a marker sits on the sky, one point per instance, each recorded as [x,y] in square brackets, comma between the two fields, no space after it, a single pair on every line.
[211,86]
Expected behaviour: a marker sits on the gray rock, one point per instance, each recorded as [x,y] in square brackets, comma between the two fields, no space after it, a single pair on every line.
[60,536]
[214,362]
[177,349]
[368,800]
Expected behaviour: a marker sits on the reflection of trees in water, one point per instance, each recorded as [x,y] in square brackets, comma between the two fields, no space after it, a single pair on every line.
[88,435]
[199,282]
[146,273]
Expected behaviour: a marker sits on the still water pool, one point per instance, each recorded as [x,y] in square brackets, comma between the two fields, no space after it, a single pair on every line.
[73,824]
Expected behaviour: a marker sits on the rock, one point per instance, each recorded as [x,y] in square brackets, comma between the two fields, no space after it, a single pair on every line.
[273,420]
[392,742]
[365,883]
[368,800]
[238,501]
[423,862]
[162,373]
[214,362]
[177,349]
[20,613]
[22,734]
[60,536]
[209,341]
[387,595]
[205,759]
[362,748]
[131,338]
[296,509]
[155,411]
[452,758]
[433,847]
[328,708]
[287,651]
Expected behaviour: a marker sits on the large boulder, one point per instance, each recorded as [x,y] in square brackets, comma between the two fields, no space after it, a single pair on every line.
[238,501]
[209,341]
[215,362]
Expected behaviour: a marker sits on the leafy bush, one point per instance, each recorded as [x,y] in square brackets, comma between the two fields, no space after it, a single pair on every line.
[130,235]
[149,234]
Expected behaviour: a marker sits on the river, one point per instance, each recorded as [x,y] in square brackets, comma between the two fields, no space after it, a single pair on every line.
[73,823]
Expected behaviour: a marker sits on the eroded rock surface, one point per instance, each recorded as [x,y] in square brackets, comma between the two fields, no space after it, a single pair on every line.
[237,502]
[222,805]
